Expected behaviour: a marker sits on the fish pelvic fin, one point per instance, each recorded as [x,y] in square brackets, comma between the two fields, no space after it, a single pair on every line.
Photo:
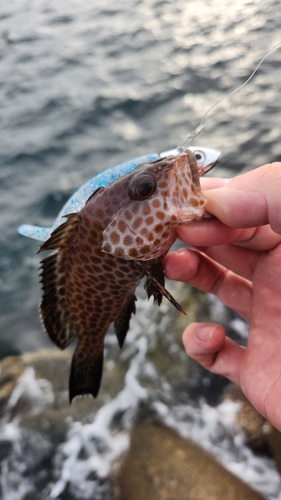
[159,287]
[86,372]
[121,324]
[150,285]
[54,309]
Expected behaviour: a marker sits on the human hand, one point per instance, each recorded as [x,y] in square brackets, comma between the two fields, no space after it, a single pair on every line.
[238,258]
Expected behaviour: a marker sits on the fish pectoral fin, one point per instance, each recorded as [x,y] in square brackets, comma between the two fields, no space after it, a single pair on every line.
[86,372]
[54,308]
[160,287]
[150,286]
[121,324]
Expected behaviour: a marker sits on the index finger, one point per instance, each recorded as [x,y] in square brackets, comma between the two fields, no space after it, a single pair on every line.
[212,232]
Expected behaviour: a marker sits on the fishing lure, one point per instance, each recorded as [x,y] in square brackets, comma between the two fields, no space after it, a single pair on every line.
[204,157]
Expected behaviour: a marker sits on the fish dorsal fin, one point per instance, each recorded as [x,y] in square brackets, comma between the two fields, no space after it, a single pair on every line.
[60,236]
[54,307]
[160,287]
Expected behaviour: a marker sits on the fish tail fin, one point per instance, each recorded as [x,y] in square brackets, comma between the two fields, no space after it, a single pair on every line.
[86,372]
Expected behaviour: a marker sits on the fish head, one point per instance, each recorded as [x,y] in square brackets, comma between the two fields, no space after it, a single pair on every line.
[160,195]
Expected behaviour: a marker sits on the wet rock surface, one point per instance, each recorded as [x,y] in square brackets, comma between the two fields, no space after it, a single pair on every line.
[162,466]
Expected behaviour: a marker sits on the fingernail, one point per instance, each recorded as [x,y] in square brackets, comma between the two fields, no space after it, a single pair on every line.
[204,332]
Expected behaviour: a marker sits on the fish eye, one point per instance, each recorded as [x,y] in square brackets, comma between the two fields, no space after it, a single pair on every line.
[200,157]
[142,187]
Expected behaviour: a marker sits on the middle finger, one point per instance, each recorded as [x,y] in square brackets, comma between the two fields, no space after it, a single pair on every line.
[239,260]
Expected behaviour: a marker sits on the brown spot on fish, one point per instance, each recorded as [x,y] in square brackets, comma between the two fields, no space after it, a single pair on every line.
[158,228]
[128,240]
[114,238]
[156,203]
[160,215]
[144,231]
[118,251]
[128,215]
[133,252]
[193,202]
[145,249]
[146,210]
[136,224]
[149,220]
[122,226]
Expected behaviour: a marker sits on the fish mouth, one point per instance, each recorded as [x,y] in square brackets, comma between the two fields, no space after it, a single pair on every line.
[185,201]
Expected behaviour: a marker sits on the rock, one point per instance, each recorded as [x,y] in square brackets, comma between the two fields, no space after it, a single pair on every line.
[49,370]
[10,370]
[37,418]
[256,428]
[160,465]
[260,435]
[274,442]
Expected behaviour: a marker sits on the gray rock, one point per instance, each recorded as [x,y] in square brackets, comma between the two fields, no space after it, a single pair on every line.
[162,466]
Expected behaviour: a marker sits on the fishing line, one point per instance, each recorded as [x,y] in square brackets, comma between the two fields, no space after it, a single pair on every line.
[201,125]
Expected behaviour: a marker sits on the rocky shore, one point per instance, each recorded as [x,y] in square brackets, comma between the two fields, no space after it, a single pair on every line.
[156,462]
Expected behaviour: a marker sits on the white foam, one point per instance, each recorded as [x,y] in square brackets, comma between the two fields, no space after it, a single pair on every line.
[37,392]
[240,326]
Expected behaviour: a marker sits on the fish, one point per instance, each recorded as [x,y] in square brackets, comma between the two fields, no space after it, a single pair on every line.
[101,253]
[204,157]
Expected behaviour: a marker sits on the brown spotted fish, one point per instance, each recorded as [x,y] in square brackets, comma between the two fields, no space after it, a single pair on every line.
[101,253]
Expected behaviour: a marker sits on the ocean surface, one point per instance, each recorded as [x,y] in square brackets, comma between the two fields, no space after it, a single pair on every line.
[87,85]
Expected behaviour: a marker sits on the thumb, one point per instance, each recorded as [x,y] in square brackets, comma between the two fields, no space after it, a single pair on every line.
[207,344]
[249,200]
